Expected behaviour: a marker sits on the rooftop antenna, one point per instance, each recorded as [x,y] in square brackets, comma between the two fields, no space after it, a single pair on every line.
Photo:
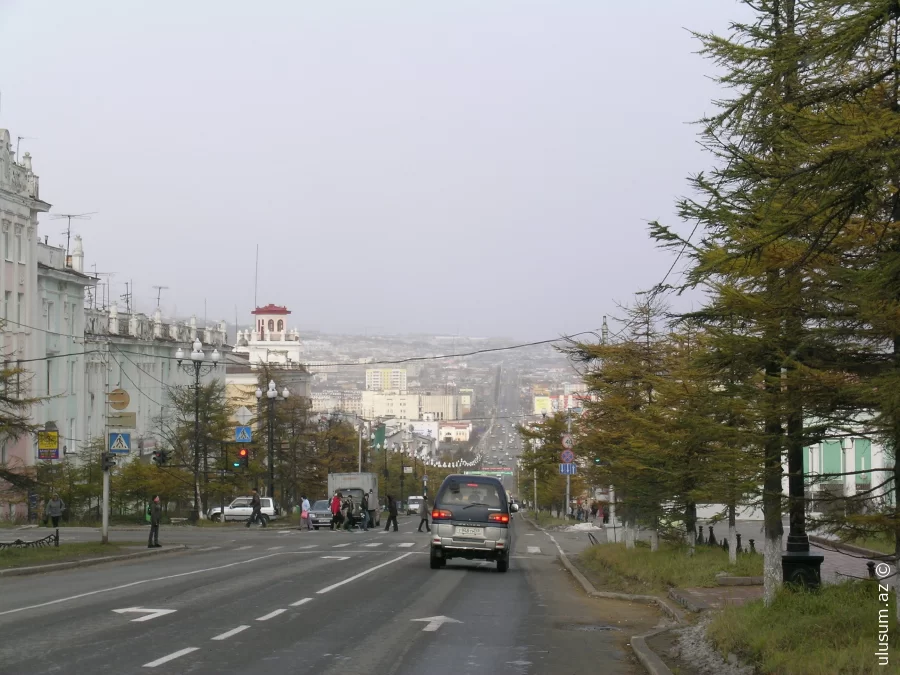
[127,297]
[68,232]
[105,286]
[159,290]
[19,139]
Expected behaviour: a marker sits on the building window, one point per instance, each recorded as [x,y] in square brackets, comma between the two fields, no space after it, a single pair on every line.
[20,251]
[7,251]
[20,308]
[49,374]
[271,325]
[7,296]
[49,316]
[280,325]
[71,388]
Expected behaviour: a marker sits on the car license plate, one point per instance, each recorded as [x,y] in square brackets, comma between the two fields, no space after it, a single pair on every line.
[469,532]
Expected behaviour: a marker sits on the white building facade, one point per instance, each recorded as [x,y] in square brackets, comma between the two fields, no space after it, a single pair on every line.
[384,379]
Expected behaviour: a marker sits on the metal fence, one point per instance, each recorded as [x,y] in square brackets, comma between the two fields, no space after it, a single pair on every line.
[46,542]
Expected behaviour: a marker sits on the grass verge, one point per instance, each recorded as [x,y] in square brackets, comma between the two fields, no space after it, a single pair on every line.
[639,570]
[26,557]
[833,630]
[881,544]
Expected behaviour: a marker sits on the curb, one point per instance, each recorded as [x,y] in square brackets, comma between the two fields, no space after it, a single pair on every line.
[648,658]
[850,548]
[87,562]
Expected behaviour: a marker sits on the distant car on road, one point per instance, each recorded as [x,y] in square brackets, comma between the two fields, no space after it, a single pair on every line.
[240,509]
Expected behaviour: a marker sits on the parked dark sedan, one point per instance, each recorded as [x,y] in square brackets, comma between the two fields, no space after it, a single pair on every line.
[320,514]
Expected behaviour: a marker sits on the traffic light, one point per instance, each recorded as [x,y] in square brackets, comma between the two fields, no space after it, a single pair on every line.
[596,461]
[107,460]
[160,457]
[243,459]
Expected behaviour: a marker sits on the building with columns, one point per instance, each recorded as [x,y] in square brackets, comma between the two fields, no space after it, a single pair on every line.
[20,204]
[270,342]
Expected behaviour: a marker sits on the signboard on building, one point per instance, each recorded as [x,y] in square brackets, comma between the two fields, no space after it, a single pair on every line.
[122,420]
[48,445]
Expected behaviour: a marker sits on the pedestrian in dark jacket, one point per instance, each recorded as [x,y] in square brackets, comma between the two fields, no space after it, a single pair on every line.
[256,505]
[392,513]
[155,517]
[364,512]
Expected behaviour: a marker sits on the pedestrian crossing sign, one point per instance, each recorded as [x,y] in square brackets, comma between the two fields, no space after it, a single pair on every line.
[243,434]
[120,443]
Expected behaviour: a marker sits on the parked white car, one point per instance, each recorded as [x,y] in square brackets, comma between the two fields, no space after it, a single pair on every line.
[240,509]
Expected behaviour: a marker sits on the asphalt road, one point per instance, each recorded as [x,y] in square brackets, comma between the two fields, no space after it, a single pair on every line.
[269,601]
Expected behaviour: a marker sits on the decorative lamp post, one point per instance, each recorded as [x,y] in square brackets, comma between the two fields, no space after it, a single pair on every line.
[200,364]
[272,396]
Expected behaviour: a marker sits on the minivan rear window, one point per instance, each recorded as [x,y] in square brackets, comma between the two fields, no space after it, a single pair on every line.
[470,493]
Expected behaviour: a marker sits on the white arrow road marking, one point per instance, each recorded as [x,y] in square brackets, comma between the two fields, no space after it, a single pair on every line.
[271,615]
[228,634]
[173,655]
[151,613]
[435,622]
[534,549]
[335,557]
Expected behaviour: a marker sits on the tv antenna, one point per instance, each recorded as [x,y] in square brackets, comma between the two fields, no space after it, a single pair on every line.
[104,286]
[127,296]
[19,139]
[68,232]
[159,290]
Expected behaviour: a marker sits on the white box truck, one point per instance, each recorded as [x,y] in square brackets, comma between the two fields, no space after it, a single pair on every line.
[355,484]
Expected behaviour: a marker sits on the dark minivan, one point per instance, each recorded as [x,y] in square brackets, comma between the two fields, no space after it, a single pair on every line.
[471,520]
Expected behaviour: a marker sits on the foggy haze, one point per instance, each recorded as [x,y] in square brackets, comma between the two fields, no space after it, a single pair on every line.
[481,168]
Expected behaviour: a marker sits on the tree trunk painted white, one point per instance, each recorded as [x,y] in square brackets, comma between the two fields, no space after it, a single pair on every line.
[732,544]
[772,575]
[692,541]
[654,540]
[629,534]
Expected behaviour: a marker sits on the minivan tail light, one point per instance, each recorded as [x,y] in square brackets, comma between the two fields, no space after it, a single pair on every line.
[499,517]
[441,514]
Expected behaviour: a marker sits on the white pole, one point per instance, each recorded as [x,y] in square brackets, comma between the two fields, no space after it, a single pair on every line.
[535,492]
[105,528]
[360,447]
[568,476]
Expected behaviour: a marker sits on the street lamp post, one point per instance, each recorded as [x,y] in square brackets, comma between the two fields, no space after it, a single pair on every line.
[199,365]
[272,396]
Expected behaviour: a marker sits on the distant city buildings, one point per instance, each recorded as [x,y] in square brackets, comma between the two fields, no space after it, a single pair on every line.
[382,379]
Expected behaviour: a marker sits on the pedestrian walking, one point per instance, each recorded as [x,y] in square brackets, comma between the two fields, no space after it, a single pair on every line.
[372,504]
[336,510]
[54,509]
[256,505]
[155,517]
[348,513]
[364,512]
[392,513]
[423,514]
[304,514]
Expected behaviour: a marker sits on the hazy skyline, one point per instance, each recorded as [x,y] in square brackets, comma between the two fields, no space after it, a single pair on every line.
[481,168]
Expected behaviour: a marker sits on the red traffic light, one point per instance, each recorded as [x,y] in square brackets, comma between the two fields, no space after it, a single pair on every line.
[242,452]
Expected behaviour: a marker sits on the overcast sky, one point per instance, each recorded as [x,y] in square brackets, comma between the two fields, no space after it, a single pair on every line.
[480,167]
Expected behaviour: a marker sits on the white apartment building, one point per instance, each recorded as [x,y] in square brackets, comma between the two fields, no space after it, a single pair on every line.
[384,379]
[390,404]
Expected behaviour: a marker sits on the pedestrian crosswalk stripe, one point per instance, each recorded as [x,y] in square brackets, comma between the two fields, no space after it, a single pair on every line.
[406,545]
[340,545]
[534,549]
[377,543]
[310,546]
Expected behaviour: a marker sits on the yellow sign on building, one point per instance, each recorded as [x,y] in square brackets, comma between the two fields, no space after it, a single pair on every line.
[542,405]
[48,440]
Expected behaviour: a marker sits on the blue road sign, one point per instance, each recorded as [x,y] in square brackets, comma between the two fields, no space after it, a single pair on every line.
[120,443]
[567,469]
[243,435]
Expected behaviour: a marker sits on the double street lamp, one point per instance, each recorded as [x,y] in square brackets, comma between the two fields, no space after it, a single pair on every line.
[272,395]
[200,364]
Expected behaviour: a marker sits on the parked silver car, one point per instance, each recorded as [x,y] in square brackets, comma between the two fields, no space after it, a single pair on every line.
[471,520]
